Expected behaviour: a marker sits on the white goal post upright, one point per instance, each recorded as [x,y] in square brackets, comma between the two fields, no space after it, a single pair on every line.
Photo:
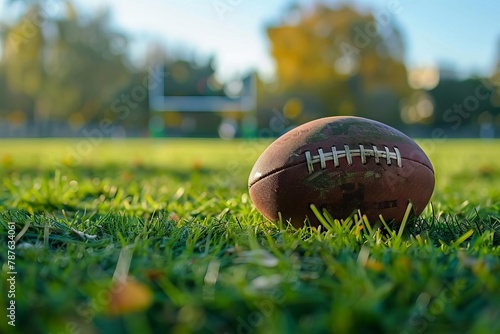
[159,101]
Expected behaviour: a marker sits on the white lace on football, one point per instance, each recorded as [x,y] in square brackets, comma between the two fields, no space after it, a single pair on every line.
[348,153]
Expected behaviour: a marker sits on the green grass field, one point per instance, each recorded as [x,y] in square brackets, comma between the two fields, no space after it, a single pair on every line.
[160,236]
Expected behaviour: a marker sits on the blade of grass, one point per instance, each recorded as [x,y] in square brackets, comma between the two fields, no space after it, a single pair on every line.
[320,217]
[464,237]
[405,219]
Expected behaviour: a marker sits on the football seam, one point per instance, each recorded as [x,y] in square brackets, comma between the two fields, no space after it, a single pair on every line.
[420,163]
[322,157]
[277,170]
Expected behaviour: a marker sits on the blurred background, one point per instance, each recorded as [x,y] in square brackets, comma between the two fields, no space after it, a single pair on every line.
[246,69]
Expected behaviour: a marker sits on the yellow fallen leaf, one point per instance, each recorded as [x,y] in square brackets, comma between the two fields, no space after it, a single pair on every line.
[7,160]
[196,165]
[374,265]
[128,296]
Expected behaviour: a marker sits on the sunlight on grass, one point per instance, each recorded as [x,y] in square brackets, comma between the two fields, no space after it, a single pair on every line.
[202,259]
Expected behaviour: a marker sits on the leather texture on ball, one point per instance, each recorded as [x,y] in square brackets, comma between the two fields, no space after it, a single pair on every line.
[341,164]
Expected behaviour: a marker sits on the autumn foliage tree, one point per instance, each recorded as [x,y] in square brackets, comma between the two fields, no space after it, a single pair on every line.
[339,61]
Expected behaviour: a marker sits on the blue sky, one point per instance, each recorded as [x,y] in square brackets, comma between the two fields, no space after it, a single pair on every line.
[463,35]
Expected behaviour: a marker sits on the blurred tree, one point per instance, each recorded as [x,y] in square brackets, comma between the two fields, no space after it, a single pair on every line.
[86,66]
[348,62]
[22,62]
[462,106]
[69,67]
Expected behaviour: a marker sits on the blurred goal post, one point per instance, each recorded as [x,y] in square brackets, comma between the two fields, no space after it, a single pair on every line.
[245,101]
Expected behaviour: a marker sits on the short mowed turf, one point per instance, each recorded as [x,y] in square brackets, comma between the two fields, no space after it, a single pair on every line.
[160,236]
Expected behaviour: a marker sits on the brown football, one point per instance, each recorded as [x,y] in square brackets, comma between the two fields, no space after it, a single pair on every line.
[341,164]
